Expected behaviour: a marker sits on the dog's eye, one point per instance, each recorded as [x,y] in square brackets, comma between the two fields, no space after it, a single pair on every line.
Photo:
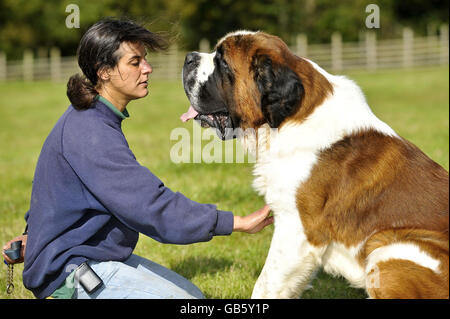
[220,61]
[224,65]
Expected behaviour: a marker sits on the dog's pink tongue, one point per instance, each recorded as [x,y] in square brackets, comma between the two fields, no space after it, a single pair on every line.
[190,114]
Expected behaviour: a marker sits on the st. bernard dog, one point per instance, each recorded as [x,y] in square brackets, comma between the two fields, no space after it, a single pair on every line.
[347,193]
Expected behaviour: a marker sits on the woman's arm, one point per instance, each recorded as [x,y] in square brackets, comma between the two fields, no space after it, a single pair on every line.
[116,183]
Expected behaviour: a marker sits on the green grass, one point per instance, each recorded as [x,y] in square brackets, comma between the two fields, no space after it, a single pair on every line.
[413,102]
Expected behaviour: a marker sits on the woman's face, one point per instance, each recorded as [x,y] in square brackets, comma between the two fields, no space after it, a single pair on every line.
[129,78]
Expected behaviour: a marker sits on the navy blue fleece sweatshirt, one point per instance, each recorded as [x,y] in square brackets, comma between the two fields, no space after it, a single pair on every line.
[91,198]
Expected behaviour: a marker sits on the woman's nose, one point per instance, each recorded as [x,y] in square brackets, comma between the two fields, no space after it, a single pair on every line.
[147,68]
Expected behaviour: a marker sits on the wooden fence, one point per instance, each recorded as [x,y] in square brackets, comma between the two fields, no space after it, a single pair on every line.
[336,56]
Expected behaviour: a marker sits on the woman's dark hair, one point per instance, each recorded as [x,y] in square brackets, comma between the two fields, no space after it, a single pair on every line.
[98,49]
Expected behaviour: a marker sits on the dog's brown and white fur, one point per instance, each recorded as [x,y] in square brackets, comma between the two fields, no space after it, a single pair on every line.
[347,193]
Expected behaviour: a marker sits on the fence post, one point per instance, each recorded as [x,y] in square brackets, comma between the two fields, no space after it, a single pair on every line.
[55,64]
[408,43]
[302,45]
[336,51]
[371,50]
[28,65]
[2,66]
[443,37]
[204,45]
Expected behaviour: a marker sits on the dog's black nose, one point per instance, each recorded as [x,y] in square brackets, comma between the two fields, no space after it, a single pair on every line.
[191,58]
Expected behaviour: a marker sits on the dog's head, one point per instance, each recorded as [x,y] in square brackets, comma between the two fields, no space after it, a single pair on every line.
[251,78]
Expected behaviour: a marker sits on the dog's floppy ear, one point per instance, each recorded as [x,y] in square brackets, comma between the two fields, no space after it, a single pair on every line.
[280,87]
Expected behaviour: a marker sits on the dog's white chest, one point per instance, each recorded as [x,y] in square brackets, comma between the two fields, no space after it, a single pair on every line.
[277,178]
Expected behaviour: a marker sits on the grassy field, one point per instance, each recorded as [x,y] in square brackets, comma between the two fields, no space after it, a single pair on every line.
[414,102]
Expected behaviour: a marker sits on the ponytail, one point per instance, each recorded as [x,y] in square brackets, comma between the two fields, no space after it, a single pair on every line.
[81,92]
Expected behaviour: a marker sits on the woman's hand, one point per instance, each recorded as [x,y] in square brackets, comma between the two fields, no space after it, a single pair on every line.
[23,238]
[254,222]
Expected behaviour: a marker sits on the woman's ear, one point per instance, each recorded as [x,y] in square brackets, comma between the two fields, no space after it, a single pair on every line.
[103,74]
[280,87]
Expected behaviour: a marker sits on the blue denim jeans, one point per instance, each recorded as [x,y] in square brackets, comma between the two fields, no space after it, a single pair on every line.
[138,278]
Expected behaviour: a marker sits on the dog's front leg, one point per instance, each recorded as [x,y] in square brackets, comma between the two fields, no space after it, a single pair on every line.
[290,262]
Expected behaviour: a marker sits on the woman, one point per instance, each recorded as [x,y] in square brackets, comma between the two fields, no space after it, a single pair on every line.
[91,198]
